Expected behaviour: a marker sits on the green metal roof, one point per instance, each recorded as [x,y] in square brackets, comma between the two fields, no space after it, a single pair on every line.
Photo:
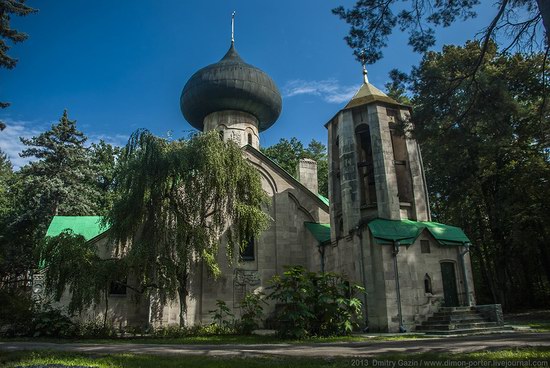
[406,231]
[321,232]
[324,199]
[87,226]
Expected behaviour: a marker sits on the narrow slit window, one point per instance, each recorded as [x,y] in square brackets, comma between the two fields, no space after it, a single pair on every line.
[425,246]
[427,284]
[250,139]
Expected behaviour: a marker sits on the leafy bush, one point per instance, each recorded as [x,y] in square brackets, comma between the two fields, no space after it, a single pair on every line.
[95,329]
[224,320]
[15,313]
[170,331]
[252,311]
[314,304]
[51,322]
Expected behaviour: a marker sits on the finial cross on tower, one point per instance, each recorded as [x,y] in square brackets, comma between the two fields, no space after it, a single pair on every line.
[363,60]
[365,74]
[233,27]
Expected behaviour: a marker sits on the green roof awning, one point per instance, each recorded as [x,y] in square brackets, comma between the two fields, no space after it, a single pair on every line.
[406,232]
[324,199]
[87,226]
[321,232]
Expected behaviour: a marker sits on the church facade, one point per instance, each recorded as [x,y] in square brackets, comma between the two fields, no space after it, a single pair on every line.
[375,228]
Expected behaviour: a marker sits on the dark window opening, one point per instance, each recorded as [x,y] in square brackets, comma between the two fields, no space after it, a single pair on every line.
[117,288]
[365,165]
[425,246]
[427,284]
[340,228]
[391,112]
[250,139]
[221,134]
[247,254]
[402,169]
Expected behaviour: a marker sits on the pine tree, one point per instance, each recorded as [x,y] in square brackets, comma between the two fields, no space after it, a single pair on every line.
[61,181]
[6,173]
[7,8]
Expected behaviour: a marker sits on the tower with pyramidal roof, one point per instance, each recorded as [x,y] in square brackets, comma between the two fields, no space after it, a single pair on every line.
[381,230]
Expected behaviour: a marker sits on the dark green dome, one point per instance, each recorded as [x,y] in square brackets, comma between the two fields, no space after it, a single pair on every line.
[231,84]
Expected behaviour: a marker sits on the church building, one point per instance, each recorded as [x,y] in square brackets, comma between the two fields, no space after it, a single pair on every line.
[376,229]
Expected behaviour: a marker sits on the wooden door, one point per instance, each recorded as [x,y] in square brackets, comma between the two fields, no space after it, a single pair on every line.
[449,284]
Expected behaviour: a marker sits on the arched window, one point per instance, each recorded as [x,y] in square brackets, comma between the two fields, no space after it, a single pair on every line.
[427,284]
[401,163]
[250,139]
[220,132]
[365,165]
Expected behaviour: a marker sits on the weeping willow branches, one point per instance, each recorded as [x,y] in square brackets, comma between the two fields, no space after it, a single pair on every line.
[175,200]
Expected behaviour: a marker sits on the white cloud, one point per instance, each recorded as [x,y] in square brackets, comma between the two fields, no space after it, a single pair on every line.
[329,90]
[115,140]
[10,142]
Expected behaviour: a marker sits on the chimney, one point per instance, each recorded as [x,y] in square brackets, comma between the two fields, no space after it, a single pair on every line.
[307,174]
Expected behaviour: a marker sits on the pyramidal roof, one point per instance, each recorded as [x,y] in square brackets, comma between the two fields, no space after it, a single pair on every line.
[367,94]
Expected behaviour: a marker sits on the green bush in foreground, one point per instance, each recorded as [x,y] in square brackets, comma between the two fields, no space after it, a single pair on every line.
[314,304]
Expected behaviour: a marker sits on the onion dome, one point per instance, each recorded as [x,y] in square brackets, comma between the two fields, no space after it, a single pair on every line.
[231,84]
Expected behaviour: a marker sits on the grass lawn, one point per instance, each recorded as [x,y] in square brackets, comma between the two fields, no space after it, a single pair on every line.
[537,320]
[22,359]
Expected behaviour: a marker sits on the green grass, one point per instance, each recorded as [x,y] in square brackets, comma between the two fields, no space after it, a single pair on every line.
[534,326]
[15,359]
[543,326]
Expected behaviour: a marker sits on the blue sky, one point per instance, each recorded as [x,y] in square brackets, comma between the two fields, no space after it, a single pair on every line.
[121,65]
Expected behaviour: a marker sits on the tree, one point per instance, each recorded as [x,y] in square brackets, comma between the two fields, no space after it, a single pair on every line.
[6,173]
[287,154]
[372,21]
[7,8]
[175,203]
[488,170]
[103,157]
[60,181]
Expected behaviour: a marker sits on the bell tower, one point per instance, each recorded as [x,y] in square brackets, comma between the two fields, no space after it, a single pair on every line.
[375,171]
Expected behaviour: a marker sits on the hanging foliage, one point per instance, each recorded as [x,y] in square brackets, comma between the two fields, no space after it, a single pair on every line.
[175,200]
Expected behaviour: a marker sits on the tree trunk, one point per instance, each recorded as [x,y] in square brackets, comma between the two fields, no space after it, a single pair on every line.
[106,309]
[544,8]
[182,292]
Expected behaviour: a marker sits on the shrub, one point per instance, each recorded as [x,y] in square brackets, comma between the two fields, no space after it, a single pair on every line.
[171,331]
[95,329]
[15,313]
[314,304]
[251,312]
[52,322]
[224,320]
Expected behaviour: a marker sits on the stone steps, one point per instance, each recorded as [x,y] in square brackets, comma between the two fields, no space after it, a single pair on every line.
[457,320]
[455,326]
[443,319]
[468,331]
